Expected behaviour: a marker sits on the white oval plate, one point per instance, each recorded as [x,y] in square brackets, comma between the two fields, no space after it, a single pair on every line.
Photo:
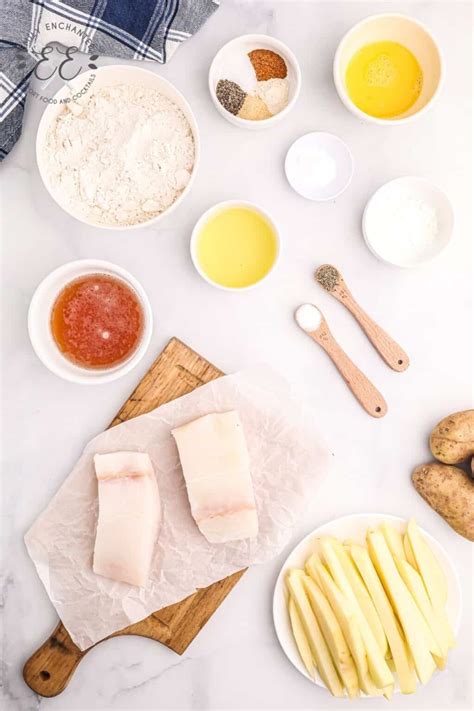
[353,527]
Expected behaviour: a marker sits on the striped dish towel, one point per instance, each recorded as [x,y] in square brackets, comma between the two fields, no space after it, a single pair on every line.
[133,29]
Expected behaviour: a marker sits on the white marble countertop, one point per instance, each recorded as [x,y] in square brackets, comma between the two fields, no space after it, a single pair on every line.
[236,662]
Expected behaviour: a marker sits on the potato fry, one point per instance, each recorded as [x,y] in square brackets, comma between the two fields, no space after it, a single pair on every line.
[313,633]
[346,617]
[413,623]
[362,595]
[333,635]
[301,641]
[394,540]
[408,551]
[378,667]
[428,566]
[414,583]
[396,641]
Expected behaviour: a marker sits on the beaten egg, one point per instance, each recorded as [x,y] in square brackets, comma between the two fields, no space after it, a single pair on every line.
[384,79]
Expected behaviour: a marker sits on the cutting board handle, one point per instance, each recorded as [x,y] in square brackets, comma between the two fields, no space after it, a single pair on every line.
[48,671]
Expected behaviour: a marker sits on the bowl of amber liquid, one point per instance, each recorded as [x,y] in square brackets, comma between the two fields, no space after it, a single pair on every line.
[90,321]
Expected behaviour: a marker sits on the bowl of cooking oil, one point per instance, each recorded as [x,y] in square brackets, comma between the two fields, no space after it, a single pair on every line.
[388,69]
[235,245]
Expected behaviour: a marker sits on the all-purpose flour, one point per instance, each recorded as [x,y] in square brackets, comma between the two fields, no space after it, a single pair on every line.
[122,159]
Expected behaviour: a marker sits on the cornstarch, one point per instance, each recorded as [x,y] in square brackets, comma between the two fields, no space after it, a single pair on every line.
[124,158]
[403,227]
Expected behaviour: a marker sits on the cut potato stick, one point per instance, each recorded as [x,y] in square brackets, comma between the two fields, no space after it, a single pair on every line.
[301,640]
[439,625]
[333,636]
[431,641]
[433,578]
[403,604]
[407,646]
[314,635]
[378,667]
[396,641]
[363,597]
[427,564]
[394,540]
[409,552]
[311,569]
[346,617]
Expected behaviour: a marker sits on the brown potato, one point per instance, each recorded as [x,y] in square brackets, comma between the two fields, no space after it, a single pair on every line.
[452,440]
[450,492]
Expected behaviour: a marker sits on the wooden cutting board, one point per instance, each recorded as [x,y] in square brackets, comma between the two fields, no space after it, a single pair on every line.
[177,371]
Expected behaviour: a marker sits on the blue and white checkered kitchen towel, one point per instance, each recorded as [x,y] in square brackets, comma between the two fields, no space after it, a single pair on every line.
[134,29]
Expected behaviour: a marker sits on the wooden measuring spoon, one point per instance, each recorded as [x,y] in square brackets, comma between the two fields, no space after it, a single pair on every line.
[311,320]
[331,280]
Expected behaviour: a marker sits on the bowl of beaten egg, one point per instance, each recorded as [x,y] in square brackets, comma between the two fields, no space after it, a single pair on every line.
[235,245]
[388,69]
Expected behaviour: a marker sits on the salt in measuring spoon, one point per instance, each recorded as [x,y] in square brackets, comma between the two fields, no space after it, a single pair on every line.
[331,279]
[311,320]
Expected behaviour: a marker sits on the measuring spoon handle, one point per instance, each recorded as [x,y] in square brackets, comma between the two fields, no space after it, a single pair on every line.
[367,394]
[391,352]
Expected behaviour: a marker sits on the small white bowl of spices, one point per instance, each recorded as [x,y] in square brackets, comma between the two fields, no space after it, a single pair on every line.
[254,81]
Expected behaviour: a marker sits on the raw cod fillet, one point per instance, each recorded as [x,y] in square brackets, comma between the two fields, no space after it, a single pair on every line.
[129,516]
[215,464]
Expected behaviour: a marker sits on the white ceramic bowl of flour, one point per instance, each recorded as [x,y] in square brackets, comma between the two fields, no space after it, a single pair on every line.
[132,142]
[408,222]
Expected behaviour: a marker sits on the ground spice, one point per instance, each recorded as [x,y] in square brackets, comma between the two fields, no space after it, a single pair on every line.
[230,95]
[328,277]
[268,64]
[254,109]
[274,93]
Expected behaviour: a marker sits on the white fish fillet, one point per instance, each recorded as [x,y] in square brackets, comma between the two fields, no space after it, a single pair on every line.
[215,464]
[129,516]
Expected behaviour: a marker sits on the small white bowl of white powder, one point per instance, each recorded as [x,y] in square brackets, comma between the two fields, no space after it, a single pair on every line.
[118,148]
[408,222]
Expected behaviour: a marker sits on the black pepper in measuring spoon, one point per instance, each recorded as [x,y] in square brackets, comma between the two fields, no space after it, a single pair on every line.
[328,277]
[230,95]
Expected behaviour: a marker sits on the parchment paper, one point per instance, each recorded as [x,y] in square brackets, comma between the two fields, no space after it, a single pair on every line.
[288,460]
